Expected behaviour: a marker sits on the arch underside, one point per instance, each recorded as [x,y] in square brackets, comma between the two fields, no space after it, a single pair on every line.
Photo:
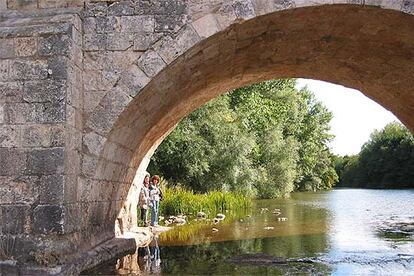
[365,48]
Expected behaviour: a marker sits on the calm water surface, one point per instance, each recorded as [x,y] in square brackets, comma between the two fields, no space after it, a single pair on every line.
[344,232]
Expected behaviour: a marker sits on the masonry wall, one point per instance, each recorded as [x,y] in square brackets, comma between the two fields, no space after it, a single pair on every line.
[40,129]
[89,89]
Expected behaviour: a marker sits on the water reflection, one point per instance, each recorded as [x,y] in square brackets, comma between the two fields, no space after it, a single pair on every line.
[146,260]
[342,230]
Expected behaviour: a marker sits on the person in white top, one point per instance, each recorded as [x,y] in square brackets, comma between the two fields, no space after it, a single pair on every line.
[155,196]
[144,200]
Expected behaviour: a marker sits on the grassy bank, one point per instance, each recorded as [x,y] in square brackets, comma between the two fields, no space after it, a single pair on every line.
[178,200]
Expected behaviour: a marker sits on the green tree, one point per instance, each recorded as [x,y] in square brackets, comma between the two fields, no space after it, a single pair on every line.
[385,161]
[265,139]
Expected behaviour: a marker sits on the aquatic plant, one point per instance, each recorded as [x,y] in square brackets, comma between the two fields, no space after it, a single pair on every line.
[178,200]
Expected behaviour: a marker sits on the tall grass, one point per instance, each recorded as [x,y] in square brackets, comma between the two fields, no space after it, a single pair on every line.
[177,200]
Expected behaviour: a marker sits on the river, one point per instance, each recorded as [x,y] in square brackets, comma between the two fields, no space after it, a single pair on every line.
[338,232]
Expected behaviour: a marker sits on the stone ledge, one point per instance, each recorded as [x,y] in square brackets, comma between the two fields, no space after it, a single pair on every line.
[113,248]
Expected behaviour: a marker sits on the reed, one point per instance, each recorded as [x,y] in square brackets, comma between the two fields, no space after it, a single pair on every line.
[177,200]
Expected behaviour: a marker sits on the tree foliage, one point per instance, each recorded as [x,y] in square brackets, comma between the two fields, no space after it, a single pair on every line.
[385,161]
[265,140]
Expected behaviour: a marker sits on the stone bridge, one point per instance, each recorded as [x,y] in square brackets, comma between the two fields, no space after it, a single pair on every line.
[88,90]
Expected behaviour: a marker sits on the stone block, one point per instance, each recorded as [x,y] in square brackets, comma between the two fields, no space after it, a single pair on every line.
[14,219]
[22,4]
[7,48]
[51,189]
[138,24]
[134,79]
[143,41]
[84,189]
[151,63]
[89,25]
[46,4]
[57,135]
[44,91]
[94,41]
[10,92]
[95,9]
[93,143]
[89,165]
[3,5]
[116,100]
[407,6]
[73,215]
[119,41]
[206,26]
[121,8]
[46,161]
[91,99]
[55,44]
[226,15]
[170,23]
[25,46]
[57,68]
[12,161]
[16,113]
[107,24]
[18,189]
[101,120]
[169,49]
[48,219]
[2,116]
[5,70]
[46,112]
[244,9]
[36,136]
[9,136]
[29,69]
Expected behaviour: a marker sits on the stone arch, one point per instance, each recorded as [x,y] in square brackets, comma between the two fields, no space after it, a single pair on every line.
[132,69]
[225,47]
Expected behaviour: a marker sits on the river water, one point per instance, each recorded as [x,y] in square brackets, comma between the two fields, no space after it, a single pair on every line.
[339,232]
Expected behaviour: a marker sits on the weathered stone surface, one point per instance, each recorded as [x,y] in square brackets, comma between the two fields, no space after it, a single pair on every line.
[18,189]
[138,24]
[19,113]
[206,26]
[7,48]
[121,8]
[51,189]
[10,92]
[93,143]
[151,63]
[54,45]
[134,79]
[57,68]
[25,46]
[45,161]
[48,219]
[36,136]
[28,70]
[14,218]
[2,116]
[44,91]
[22,4]
[10,136]
[12,161]
[170,49]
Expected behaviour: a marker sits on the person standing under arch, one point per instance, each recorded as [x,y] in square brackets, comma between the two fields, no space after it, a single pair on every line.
[155,196]
[144,199]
